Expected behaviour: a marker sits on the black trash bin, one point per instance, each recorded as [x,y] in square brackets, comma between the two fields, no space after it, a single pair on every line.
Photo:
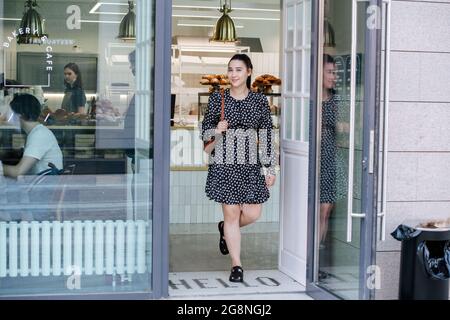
[425,263]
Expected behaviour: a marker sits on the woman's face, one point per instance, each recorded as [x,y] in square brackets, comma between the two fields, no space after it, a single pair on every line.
[69,76]
[238,73]
[329,76]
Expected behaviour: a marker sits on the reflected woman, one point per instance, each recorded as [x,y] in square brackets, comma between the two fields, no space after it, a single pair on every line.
[74,97]
[328,149]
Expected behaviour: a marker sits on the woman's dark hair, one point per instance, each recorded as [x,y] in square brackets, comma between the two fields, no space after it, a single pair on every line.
[246,60]
[27,106]
[74,67]
[329,59]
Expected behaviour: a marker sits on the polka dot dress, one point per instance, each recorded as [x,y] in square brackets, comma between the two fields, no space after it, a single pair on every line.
[328,151]
[240,181]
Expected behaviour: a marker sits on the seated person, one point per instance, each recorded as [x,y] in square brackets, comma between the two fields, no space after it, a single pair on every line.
[41,146]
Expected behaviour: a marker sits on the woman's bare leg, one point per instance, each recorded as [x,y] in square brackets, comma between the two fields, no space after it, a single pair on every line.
[250,213]
[232,232]
[325,211]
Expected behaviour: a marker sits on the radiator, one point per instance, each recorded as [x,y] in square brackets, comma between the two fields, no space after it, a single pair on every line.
[60,248]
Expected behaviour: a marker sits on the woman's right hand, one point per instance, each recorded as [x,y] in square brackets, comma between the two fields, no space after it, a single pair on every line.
[222,127]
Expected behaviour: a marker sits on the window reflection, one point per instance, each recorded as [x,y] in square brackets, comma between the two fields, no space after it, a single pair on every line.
[75,214]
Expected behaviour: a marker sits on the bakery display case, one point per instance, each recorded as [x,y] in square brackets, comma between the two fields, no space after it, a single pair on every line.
[191,61]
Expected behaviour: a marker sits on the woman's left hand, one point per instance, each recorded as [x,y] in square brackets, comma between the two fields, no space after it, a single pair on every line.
[270,180]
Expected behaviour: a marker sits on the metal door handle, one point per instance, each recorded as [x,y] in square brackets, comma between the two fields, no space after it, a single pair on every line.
[387,51]
[351,151]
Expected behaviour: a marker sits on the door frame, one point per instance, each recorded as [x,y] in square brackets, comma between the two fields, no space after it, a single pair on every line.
[369,197]
[158,281]
[161,154]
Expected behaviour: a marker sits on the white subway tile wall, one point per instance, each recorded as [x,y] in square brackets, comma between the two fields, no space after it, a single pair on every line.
[265,62]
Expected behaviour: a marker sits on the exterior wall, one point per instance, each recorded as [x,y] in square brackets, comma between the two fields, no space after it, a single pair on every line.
[419,149]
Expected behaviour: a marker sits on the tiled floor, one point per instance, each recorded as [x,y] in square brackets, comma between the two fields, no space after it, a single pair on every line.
[199,271]
[195,247]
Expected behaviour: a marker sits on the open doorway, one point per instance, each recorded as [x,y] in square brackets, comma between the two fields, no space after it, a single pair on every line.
[195,260]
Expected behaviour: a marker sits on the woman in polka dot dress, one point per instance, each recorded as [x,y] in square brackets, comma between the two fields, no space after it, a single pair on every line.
[328,149]
[242,164]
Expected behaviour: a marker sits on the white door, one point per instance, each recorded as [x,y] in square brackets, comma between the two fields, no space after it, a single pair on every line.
[294,137]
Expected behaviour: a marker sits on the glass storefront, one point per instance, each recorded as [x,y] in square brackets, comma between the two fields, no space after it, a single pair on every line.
[77,84]
[345,147]
[77,140]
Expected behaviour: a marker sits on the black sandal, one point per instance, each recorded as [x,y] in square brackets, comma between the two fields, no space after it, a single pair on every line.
[237,274]
[222,244]
[323,275]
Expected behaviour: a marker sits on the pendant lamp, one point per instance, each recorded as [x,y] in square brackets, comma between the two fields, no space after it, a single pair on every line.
[225,30]
[328,34]
[31,25]
[328,31]
[127,29]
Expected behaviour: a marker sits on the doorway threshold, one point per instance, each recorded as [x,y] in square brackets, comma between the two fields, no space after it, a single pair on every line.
[215,283]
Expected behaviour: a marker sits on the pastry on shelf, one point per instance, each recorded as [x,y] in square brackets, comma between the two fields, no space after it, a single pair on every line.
[208,77]
[215,81]
[265,82]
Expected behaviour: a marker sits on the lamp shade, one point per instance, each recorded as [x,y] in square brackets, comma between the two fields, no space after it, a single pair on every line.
[31,25]
[127,28]
[328,35]
[225,30]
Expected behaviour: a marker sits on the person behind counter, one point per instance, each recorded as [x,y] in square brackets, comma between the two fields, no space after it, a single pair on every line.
[74,97]
[41,146]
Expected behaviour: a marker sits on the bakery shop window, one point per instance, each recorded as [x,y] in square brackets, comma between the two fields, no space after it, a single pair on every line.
[76,171]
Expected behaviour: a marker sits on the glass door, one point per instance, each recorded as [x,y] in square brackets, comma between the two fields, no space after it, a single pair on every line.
[345,150]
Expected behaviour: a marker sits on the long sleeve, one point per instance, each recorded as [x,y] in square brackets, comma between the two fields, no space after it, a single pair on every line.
[266,134]
[212,117]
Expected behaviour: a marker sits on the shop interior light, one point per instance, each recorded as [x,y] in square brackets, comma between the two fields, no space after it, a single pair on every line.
[95,9]
[215,17]
[214,8]
[209,49]
[99,4]
[205,25]
[225,30]
[328,30]
[100,21]
[60,95]
[33,23]
[328,35]
[127,28]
